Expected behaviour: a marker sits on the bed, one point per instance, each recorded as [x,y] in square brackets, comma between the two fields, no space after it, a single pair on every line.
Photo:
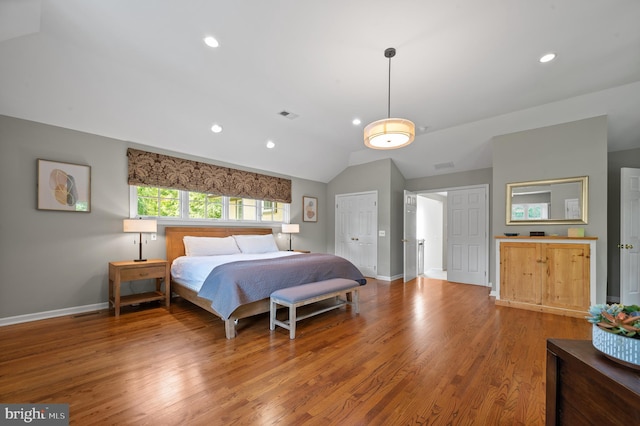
[279,277]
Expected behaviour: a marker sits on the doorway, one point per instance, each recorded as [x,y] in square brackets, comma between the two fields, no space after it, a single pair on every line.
[454,224]
[431,231]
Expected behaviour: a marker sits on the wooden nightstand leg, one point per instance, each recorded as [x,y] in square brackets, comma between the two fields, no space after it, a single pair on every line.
[116,296]
[111,299]
[167,291]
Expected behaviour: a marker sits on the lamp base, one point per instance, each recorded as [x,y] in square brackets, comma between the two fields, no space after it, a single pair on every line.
[139,260]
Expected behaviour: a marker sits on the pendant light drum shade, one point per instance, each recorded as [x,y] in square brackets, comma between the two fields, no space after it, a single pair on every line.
[389,133]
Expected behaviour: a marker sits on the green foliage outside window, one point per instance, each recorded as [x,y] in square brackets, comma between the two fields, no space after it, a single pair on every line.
[205,206]
[158,202]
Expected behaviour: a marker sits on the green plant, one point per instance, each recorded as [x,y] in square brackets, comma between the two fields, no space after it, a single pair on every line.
[617,319]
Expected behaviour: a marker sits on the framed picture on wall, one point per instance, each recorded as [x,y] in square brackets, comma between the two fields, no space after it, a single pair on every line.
[64,186]
[309,209]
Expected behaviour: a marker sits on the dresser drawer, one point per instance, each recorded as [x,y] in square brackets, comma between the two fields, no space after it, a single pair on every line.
[139,273]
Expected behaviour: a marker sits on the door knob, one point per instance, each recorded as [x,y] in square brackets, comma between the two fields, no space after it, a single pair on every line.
[628,246]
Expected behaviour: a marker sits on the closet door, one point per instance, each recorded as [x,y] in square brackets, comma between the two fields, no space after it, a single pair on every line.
[357,230]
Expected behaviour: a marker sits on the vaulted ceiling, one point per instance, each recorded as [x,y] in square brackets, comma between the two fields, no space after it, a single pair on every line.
[464,72]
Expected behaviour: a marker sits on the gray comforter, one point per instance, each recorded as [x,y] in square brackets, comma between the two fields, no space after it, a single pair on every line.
[237,283]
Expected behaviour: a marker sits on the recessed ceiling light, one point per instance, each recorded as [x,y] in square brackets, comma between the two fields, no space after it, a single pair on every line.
[547,58]
[216,128]
[211,42]
[270,144]
[356,122]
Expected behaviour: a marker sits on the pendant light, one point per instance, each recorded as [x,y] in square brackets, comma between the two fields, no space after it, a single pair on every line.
[389,133]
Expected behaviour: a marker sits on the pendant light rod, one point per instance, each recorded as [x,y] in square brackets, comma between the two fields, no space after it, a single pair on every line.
[389,53]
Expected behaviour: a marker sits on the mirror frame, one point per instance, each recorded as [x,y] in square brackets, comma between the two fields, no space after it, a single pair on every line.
[583,180]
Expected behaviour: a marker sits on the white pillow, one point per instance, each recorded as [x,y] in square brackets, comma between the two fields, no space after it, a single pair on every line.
[252,244]
[209,246]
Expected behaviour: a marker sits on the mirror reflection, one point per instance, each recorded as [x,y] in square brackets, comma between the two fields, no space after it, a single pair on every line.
[553,201]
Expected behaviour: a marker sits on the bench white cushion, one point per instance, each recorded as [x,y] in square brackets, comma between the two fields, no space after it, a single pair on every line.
[311,290]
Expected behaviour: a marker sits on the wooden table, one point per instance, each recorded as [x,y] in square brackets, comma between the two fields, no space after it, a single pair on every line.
[129,270]
[585,387]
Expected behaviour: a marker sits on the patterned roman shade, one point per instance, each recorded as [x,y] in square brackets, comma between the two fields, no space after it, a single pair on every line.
[151,169]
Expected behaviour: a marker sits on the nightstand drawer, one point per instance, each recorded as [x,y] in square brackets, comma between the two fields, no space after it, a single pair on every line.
[142,273]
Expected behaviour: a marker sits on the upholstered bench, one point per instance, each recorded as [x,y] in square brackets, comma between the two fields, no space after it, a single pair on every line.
[293,297]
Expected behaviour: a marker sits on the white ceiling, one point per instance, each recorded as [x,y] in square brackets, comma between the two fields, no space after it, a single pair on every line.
[467,70]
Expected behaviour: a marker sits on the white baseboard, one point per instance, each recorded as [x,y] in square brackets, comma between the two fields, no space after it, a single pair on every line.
[385,278]
[52,314]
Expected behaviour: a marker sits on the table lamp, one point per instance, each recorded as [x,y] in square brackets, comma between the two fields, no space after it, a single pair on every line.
[290,228]
[140,226]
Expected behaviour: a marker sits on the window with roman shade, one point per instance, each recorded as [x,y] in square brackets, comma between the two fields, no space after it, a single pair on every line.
[158,170]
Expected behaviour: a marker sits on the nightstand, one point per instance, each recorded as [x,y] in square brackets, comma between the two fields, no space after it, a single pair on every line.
[302,251]
[129,270]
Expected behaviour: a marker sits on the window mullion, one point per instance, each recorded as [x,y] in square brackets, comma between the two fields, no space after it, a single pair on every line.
[184,204]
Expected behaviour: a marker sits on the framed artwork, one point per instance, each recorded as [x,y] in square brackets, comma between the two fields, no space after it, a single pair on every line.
[309,209]
[64,186]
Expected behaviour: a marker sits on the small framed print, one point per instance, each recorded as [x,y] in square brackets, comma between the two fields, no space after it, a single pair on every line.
[64,186]
[309,209]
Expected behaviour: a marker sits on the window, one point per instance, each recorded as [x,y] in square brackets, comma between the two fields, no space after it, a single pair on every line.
[173,204]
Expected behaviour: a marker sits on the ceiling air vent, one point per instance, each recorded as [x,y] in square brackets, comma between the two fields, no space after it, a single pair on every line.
[288,114]
[448,165]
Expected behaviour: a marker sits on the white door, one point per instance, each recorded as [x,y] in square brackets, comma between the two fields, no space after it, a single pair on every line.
[409,240]
[357,230]
[467,236]
[629,236]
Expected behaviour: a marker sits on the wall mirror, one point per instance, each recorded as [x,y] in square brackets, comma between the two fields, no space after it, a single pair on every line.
[548,202]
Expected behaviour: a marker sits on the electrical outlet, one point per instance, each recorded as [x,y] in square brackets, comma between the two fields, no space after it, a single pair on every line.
[154,237]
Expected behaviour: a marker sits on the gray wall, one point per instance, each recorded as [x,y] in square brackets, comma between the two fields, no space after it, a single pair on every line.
[572,149]
[58,260]
[452,180]
[616,160]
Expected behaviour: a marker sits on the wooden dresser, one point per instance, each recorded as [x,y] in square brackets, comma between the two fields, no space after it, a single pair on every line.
[546,274]
[585,387]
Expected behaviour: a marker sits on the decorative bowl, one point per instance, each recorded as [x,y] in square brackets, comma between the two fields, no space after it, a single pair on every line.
[621,349]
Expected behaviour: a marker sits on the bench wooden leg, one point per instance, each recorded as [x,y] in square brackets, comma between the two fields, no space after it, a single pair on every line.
[272,316]
[292,321]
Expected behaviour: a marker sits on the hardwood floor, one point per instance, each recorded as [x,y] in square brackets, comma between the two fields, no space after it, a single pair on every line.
[427,352]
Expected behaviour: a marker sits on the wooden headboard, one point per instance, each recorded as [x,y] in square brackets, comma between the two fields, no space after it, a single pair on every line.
[174,235]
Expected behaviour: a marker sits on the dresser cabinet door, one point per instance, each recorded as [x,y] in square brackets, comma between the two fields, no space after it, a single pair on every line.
[567,276]
[520,270]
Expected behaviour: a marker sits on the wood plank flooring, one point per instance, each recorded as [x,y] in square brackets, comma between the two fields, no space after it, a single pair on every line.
[427,352]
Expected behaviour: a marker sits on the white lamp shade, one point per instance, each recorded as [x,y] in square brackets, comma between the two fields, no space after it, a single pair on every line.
[140,225]
[390,133]
[290,228]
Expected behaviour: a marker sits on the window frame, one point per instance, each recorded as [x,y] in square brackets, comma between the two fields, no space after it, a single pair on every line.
[183,197]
